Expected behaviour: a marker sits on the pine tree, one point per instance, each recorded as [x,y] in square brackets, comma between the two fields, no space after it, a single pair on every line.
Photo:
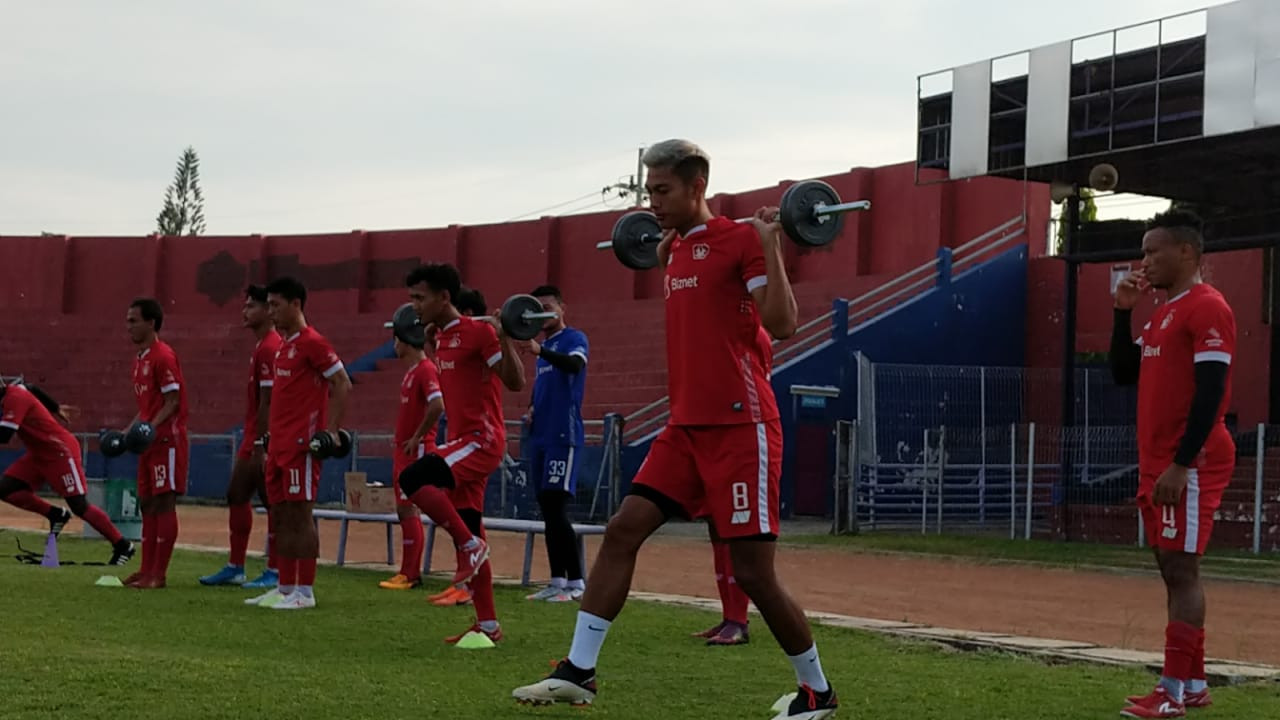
[183,212]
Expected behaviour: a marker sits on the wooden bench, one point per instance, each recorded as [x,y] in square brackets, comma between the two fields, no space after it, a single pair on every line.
[530,528]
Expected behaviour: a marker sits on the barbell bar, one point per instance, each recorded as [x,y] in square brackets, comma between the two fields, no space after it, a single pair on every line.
[521,317]
[810,213]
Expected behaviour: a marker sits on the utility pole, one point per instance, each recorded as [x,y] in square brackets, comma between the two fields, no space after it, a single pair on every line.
[634,186]
[639,184]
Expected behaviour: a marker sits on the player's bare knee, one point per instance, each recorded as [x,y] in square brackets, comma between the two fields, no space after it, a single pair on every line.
[623,535]
[754,579]
[1180,570]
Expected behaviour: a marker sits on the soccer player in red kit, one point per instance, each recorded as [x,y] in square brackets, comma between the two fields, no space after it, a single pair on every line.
[309,378]
[1182,365]
[722,447]
[420,407]
[475,359]
[247,473]
[733,626]
[162,467]
[52,457]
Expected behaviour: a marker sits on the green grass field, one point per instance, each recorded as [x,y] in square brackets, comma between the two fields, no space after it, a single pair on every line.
[73,650]
[986,548]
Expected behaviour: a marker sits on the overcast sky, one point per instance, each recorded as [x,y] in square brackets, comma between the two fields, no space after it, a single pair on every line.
[329,116]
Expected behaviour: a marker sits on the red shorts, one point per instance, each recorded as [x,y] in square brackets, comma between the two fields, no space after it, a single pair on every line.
[472,459]
[291,477]
[63,473]
[400,461]
[1186,525]
[727,473]
[163,468]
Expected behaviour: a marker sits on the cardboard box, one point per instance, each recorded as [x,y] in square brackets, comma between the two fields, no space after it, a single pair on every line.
[362,497]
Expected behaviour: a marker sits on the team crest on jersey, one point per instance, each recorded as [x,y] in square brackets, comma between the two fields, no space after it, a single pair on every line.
[701,251]
[455,341]
[146,367]
[293,352]
[1164,324]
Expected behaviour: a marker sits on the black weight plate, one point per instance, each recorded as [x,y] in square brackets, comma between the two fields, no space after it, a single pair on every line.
[406,327]
[514,324]
[798,220]
[635,240]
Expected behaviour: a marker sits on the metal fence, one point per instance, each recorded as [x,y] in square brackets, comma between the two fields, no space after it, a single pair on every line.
[510,493]
[971,449]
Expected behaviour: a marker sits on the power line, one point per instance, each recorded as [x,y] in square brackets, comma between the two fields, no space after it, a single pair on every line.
[539,211]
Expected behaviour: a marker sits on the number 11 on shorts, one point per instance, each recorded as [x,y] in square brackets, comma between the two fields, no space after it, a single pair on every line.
[295,481]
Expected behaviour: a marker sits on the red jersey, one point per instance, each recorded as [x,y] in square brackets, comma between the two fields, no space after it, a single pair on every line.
[39,430]
[262,374]
[304,363]
[421,385]
[1195,326]
[156,372]
[466,351]
[717,367]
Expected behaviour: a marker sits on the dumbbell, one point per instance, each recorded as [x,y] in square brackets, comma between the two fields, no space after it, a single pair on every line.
[323,447]
[136,440]
[809,212]
[111,443]
[522,317]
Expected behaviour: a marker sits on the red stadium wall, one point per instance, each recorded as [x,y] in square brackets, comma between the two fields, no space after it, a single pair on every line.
[1238,274]
[361,272]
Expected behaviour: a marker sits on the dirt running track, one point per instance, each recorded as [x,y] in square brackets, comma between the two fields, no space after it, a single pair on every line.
[1105,608]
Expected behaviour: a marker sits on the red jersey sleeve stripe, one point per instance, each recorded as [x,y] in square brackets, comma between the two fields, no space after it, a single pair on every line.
[758,281]
[7,424]
[1212,356]
[171,387]
[266,383]
[494,359]
[434,395]
[331,371]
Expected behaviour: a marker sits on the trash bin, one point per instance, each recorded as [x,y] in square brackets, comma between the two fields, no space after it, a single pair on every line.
[118,497]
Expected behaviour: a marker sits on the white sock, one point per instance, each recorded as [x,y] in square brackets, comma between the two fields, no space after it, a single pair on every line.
[809,670]
[558,583]
[588,638]
[471,544]
[305,590]
[1197,686]
[576,585]
[1173,686]
[489,625]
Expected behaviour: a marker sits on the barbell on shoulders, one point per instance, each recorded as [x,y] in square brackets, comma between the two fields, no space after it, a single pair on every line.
[522,318]
[809,212]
